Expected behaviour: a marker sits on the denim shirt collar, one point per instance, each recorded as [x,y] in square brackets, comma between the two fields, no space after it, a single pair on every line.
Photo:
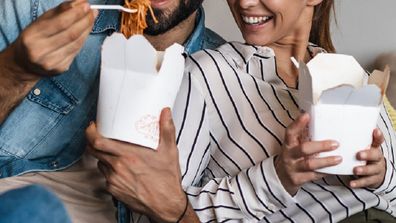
[196,40]
[109,20]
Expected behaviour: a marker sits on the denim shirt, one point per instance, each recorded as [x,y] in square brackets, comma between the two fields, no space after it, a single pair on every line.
[45,132]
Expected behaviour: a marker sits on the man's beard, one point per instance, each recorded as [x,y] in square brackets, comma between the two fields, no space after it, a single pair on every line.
[170,19]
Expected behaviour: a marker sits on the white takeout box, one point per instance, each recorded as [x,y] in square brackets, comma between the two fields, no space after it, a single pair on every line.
[343,103]
[136,83]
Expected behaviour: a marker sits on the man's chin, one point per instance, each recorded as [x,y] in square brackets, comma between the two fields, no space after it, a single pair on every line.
[153,31]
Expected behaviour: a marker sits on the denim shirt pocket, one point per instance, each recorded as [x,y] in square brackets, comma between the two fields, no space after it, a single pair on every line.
[33,120]
[52,95]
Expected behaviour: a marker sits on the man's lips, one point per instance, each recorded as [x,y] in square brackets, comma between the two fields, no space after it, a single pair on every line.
[159,3]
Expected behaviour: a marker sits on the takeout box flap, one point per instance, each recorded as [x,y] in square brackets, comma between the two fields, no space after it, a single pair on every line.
[172,60]
[113,51]
[305,98]
[141,55]
[332,70]
[135,53]
[380,78]
[338,79]
[368,95]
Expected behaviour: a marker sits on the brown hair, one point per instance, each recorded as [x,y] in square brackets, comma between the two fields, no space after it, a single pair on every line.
[320,31]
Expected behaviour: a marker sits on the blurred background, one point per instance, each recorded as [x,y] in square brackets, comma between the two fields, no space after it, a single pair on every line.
[365,28]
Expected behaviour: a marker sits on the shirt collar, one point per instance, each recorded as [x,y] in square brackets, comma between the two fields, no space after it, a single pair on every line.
[246,52]
[107,20]
[196,39]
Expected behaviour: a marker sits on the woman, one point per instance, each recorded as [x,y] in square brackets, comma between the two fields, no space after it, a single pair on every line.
[238,160]
[249,92]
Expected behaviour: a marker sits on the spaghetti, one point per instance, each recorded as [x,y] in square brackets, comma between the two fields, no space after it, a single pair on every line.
[135,23]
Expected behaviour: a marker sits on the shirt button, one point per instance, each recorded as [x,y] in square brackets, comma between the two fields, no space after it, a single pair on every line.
[37,92]
[54,164]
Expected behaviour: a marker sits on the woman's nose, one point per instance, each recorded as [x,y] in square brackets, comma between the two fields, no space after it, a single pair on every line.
[248,3]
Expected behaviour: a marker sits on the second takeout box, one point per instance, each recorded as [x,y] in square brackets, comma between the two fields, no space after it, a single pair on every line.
[136,83]
[344,104]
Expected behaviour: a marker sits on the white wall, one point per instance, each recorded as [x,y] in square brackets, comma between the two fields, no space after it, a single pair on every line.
[365,28]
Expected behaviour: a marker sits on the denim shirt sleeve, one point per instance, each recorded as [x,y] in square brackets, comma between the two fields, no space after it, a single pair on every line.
[16,15]
[45,132]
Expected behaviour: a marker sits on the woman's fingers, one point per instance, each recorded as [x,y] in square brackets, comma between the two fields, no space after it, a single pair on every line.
[368,170]
[378,138]
[312,164]
[312,148]
[369,181]
[371,155]
[296,130]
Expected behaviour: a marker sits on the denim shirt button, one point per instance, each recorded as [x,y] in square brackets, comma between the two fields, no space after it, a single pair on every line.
[37,91]
[54,164]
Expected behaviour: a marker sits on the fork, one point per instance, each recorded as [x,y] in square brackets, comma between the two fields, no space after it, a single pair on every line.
[114,7]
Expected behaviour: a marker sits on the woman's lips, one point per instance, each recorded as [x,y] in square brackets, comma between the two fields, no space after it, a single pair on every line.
[254,23]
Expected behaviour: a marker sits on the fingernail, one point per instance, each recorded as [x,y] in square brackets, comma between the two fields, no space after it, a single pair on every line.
[363,155]
[334,144]
[358,170]
[96,13]
[338,159]
[352,184]
[168,113]
[86,7]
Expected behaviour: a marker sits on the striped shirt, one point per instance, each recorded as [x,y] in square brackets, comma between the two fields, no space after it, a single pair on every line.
[231,114]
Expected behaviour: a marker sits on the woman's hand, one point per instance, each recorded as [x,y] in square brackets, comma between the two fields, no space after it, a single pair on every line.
[371,175]
[297,162]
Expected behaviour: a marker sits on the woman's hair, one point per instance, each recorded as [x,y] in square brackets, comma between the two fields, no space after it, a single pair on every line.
[320,32]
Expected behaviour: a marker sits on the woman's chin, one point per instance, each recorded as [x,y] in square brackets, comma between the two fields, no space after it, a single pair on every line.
[256,40]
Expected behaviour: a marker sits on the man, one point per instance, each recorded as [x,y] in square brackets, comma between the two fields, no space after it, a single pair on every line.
[15,208]
[49,66]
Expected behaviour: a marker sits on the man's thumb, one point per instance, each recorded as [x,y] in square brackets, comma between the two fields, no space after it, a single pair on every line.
[167,128]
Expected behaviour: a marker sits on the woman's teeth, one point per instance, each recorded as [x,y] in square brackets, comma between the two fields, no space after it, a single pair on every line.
[256,20]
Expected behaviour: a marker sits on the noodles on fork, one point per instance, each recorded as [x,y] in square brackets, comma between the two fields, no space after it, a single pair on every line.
[135,23]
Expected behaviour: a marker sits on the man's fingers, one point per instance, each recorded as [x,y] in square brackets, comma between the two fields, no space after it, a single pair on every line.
[62,17]
[105,169]
[167,129]
[59,56]
[73,37]
[312,148]
[296,130]
[101,144]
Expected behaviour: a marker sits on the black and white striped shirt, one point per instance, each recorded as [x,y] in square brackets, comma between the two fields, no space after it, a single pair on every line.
[231,114]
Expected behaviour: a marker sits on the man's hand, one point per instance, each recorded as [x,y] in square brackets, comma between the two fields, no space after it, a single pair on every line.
[373,174]
[148,181]
[49,45]
[46,47]
[297,162]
